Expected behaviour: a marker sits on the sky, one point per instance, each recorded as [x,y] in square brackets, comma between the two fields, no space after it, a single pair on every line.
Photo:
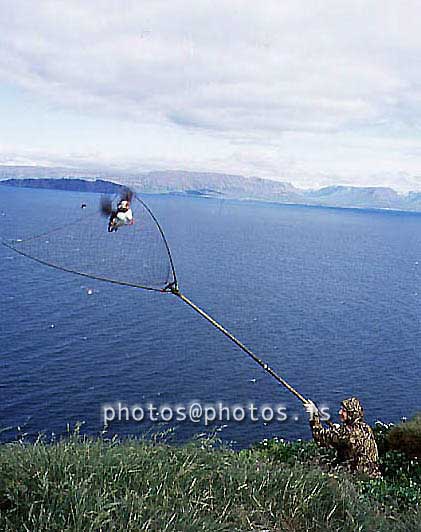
[315,93]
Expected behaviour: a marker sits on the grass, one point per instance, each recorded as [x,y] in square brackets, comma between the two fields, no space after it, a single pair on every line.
[83,484]
[405,437]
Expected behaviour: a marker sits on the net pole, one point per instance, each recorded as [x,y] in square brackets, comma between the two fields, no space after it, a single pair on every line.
[244,348]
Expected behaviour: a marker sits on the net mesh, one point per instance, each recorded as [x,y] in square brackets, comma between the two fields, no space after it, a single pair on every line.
[70,233]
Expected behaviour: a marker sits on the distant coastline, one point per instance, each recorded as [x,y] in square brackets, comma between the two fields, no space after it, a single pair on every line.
[324,198]
[66,183]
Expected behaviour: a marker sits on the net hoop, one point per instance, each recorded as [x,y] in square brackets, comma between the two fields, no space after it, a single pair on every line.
[14,246]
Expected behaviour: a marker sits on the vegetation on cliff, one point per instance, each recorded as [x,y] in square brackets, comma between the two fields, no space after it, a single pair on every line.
[87,484]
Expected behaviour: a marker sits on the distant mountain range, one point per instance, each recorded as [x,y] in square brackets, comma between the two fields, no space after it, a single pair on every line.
[210,184]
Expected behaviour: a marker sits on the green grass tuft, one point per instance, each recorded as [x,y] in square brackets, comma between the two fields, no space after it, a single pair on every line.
[406,437]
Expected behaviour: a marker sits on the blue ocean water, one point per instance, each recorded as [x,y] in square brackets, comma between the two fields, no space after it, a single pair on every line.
[330,298]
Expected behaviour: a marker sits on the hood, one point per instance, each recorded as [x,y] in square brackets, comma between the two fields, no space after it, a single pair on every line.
[354,409]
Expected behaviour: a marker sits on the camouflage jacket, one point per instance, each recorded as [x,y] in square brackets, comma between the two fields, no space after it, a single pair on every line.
[355,445]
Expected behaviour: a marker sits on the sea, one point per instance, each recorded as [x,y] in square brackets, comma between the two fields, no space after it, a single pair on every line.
[329,298]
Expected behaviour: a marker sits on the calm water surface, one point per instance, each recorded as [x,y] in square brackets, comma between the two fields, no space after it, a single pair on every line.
[330,298]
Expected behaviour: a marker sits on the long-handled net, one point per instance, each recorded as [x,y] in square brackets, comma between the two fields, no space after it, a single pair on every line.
[73,237]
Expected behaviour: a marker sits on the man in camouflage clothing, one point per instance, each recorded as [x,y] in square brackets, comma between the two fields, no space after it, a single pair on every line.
[353,440]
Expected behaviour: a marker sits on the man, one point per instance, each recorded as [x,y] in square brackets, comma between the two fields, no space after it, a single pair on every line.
[353,440]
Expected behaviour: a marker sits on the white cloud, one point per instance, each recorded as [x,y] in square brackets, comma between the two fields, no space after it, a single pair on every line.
[321,92]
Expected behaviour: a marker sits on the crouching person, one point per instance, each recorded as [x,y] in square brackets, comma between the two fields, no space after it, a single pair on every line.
[353,439]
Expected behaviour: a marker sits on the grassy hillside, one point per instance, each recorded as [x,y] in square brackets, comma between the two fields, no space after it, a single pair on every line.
[104,485]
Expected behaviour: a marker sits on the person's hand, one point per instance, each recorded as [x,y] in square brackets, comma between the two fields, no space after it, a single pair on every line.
[311,409]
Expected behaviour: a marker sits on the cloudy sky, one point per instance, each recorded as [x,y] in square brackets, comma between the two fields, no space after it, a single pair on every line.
[316,93]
